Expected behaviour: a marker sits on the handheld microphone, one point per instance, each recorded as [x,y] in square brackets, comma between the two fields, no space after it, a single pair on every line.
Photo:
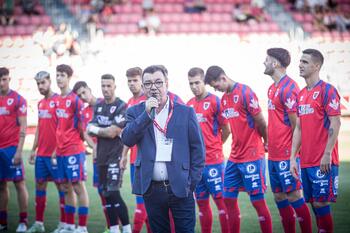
[153,109]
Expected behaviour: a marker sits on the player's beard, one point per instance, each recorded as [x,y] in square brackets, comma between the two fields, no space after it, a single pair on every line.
[44,92]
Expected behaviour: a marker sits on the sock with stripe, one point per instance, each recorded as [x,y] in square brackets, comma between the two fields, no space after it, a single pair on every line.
[303,215]
[40,204]
[287,216]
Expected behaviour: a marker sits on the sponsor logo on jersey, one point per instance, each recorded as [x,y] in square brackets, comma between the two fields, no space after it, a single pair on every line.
[61,113]
[235,99]
[9,101]
[314,96]
[4,111]
[44,113]
[103,120]
[270,105]
[200,117]
[251,168]
[283,165]
[68,103]
[206,105]
[99,109]
[213,172]
[254,103]
[305,109]
[112,109]
[290,103]
[230,113]
[334,104]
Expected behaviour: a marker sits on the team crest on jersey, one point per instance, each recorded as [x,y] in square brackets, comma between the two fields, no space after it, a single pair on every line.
[206,105]
[72,160]
[68,103]
[112,109]
[213,172]
[334,104]
[314,96]
[283,165]
[301,98]
[52,104]
[235,99]
[9,101]
[320,174]
[251,168]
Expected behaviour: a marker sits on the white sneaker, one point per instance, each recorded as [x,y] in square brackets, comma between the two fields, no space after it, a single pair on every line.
[68,229]
[36,228]
[59,227]
[22,227]
[81,230]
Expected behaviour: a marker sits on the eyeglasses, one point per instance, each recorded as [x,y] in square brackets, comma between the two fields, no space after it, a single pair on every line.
[148,85]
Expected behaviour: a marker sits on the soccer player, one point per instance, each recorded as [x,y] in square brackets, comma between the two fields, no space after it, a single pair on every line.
[282,102]
[84,92]
[13,125]
[316,133]
[107,124]
[215,130]
[71,152]
[245,169]
[43,148]
[135,86]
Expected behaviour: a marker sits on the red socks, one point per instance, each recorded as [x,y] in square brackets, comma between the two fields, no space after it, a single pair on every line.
[263,213]
[223,215]
[287,216]
[234,215]
[303,215]
[205,215]
[140,217]
[40,204]
[324,219]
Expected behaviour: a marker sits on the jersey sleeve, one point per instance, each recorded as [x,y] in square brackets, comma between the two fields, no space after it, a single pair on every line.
[289,98]
[119,117]
[251,101]
[21,107]
[331,101]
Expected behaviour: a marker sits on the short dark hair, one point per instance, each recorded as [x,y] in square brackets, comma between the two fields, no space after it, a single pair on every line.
[65,69]
[315,55]
[132,72]
[108,76]
[4,71]
[195,71]
[42,75]
[154,68]
[213,73]
[79,85]
[281,55]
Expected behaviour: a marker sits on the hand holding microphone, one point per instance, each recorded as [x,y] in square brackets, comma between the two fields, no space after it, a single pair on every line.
[151,105]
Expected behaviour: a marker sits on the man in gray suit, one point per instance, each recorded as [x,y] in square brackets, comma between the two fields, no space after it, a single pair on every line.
[170,155]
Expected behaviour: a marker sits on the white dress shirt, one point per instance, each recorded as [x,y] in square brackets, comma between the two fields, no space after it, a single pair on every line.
[162,155]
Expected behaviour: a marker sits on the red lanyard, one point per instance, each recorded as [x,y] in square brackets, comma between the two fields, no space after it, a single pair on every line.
[167,120]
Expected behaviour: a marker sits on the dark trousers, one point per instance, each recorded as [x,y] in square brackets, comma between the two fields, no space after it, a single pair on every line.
[159,198]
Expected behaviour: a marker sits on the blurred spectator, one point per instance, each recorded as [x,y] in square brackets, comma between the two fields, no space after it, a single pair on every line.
[150,23]
[147,5]
[329,19]
[242,14]
[28,7]
[318,20]
[7,12]
[256,10]
[194,6]
[341,21]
